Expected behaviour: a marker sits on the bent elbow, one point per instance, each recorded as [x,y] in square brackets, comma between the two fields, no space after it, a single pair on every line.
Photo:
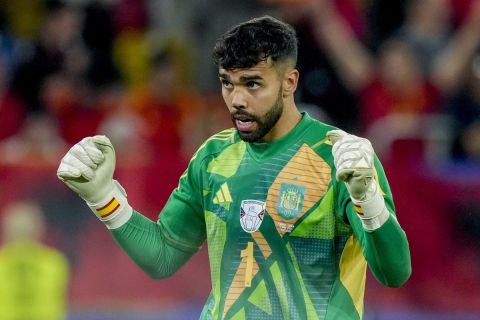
[154,272]
[158,275]
[399,277]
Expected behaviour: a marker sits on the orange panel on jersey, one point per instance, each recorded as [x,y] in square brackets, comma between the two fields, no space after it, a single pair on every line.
[246,271]
[262,244]
[299,185]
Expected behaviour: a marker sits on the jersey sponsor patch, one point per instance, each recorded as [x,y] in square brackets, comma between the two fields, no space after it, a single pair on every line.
[290,200]
[251,214]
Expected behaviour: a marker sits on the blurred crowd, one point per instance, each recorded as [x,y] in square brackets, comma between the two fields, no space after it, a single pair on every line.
[140,72]
[404,73]
[69,69]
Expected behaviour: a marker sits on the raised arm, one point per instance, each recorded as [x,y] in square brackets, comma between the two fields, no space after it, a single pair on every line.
[370,210]
[450,66]
[351,58]
[88,169]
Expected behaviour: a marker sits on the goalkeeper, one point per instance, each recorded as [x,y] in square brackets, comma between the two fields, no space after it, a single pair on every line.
[293,210]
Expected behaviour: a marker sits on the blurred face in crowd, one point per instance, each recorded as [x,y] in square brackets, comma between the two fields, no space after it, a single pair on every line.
[61,27]
[22,221]
[164,80]
[470,141]
[398,66]
[430,17]
[254,98]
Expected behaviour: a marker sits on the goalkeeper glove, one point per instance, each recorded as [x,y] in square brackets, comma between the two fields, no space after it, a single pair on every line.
[353,158]
[87,169]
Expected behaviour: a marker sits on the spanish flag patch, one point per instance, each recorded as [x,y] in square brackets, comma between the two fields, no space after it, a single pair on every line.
[358,209]
[109,208]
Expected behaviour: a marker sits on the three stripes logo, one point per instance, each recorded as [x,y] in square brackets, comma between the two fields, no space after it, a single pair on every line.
[223,197]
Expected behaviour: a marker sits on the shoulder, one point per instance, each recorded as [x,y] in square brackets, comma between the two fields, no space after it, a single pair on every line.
[216,144]
[321,127]
[50,255]
[316,134]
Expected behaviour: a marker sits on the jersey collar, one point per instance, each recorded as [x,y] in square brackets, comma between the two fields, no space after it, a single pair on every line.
[263,150]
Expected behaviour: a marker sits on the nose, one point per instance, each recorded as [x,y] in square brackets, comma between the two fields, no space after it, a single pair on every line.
[238,99]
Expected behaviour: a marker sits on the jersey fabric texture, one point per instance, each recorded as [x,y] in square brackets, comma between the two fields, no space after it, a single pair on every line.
[284,241]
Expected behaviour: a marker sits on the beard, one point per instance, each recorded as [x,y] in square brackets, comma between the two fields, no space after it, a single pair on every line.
[264,123]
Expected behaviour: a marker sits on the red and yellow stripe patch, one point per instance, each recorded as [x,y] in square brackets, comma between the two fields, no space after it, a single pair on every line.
[109,208]
[358,209]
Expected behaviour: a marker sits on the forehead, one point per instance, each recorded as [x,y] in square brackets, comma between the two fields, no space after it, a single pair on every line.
[263,69]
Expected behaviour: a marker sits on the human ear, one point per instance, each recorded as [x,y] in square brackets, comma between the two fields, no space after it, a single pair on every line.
[290,82]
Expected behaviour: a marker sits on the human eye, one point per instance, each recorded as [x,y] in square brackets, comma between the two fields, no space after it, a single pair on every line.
[226,84]
[252,85]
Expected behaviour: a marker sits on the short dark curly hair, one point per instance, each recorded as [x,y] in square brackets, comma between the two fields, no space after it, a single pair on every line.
[253,41]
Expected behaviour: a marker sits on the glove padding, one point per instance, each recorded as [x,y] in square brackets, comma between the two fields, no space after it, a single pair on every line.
[88,168]
[353,158]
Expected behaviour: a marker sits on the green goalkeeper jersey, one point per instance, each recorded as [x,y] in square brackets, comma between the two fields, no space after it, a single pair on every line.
[284,241]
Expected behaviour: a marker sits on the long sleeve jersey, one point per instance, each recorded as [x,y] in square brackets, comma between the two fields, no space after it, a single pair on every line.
[284,241]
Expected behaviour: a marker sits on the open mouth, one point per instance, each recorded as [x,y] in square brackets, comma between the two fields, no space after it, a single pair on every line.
[244,123]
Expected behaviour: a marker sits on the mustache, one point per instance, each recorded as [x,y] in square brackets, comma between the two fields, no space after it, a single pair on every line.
[240,113]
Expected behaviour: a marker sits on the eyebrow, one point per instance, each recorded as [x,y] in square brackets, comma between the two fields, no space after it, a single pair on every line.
[242,78]
[250,78]
[223,76]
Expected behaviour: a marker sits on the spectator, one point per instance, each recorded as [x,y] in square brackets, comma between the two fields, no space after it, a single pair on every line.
[464,108]
[426,29]
[124,126]
[36,144]
[161,109]
[33,277]
[58,35]
[71,102]
[99,35]
[393,82]
[130,45]
[210,18]
[12,108]
[320,84]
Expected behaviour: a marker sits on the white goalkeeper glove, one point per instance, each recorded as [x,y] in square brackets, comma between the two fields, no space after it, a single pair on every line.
[87,169]
[354,160]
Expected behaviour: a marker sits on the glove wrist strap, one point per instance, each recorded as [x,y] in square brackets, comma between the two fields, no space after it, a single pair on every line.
[372,210]
[114,209]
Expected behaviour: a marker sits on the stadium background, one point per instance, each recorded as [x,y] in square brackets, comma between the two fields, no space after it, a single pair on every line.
[140,72]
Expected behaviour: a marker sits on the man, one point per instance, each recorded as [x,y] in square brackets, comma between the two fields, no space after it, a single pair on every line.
[286,239]
[34,278]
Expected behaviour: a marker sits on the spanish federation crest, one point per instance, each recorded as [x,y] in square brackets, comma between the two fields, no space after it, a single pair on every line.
[251,214]
[290,200]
